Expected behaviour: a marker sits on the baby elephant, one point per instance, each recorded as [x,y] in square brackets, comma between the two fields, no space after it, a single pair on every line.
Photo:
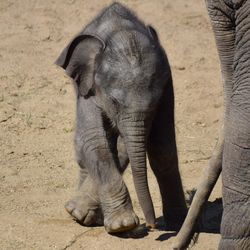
[125,109]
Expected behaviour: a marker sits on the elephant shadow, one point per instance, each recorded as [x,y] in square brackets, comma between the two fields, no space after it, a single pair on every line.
[209,220]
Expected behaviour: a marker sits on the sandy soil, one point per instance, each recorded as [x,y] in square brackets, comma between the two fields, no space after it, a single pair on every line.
[37,112]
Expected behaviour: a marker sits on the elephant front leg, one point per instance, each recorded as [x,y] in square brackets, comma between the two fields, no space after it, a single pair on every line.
[114,197]
[85,205]
[120,220]
[102,197]
[95,148]
[117,207]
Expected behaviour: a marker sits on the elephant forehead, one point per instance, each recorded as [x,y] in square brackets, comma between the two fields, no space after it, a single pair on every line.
[128,75]
[131,45]
[128,70]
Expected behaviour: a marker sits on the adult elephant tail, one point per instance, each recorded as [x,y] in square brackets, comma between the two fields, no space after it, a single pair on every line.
[210,176]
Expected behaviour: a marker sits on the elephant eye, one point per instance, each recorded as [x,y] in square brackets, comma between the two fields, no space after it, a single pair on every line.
[117,96]
[114,100]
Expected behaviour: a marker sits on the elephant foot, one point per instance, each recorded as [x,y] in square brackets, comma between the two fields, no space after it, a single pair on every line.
[85,206]
[117,209]
[121,221]
[85,210]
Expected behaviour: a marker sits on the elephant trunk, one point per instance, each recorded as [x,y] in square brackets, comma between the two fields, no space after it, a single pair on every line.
[135,136]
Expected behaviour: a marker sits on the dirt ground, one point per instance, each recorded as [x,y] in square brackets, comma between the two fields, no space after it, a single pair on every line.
[37,118]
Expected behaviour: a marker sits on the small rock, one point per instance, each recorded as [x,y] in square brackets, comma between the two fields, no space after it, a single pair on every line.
[181,68]
[47,38]
[67,130]
[19,84]
[200,124]
[63,91]
[42,127]
[6,114]
[217,105]
[202,59]
[28,27]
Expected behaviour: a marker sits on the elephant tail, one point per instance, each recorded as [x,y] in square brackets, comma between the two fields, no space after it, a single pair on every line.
[210,176]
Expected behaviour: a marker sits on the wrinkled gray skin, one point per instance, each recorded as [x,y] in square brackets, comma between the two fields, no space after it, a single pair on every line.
[125,108]
[231,24]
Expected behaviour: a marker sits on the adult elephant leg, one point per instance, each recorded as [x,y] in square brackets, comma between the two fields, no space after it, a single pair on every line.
[235,227]
[225,38]
[162,154]
[94,145]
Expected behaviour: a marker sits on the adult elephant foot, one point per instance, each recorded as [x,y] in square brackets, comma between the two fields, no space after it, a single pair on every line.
[118,213]
[85,206]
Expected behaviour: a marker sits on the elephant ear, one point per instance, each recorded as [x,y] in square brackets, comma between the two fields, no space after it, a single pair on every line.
[153,33]
[79,61]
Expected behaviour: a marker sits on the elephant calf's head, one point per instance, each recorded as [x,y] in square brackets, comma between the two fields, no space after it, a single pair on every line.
[130,74]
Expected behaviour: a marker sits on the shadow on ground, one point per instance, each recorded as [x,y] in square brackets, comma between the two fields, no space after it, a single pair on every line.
[209,221]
